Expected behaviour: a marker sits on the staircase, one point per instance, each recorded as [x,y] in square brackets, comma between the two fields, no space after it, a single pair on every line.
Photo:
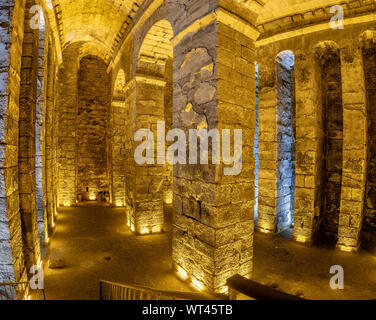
[116,291]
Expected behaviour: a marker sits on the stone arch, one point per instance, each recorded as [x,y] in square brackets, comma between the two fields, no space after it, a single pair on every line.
[118,140]
[286,157]
[162,14]
[153,104]
[368,231]
[331,142]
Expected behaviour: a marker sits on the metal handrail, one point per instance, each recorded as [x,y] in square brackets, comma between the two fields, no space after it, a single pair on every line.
[116,291]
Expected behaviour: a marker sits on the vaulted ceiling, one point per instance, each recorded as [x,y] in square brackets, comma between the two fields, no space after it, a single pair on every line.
[102,23]
[96,21]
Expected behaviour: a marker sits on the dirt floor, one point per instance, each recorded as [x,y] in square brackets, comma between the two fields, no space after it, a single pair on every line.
[95,244]
[299,270]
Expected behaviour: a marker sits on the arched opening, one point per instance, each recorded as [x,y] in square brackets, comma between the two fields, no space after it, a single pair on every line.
[286,139]
[368,233]
[92,183]
[332,144]
[153,106]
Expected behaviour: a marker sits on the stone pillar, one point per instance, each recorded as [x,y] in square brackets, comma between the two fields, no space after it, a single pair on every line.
[40,140]
[150,98]
[12,265]
[309,140]
[50,143]
[67,110]
[267,145]
[117,143]
[214,88]
[26,151]
[355,147]
[130,173]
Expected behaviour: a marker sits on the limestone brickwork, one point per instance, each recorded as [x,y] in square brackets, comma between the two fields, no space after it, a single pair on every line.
[76,89]
[91,128]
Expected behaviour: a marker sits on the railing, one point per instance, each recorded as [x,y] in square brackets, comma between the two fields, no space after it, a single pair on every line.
[20,291]
[116,291]
[242,288]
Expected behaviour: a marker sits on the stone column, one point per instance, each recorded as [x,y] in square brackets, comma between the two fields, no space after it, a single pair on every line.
[26,145]
[40,139]
[67,110]
[355,147]
[130,173]
[150,98]
[309,140]
[12,265]
[118,152]
[214,88]
[267,145]
[50,143]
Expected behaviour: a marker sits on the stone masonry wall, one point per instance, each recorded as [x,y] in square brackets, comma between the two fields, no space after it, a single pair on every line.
[117,140]
[332,147]
[67,111]
[26,151]
[214,87]
[11,33]
[267,200]
[285,146]
[150,179]
[40,129]
[369,56]
[50,141]
[91,136]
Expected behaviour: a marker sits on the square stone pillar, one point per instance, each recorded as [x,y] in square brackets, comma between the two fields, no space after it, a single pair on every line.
[309,142]
[214,88]
[355,148]
[67,112]
[148,195]
[267,146]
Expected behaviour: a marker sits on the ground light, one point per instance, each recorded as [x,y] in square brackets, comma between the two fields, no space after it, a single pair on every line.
[197,285]
[182,273]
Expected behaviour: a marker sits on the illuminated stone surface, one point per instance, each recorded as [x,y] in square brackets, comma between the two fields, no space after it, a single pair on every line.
[75,91]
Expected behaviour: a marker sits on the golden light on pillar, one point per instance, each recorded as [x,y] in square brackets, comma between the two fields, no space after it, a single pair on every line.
[346,248]
[119,203]
[224,290]
[198,285]
[301,239]
[133,228]
[157,229]
[265,231]
[182,273]
[168,197]
[145,230]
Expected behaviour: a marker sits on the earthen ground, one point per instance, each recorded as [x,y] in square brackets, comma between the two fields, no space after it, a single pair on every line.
[96,244]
